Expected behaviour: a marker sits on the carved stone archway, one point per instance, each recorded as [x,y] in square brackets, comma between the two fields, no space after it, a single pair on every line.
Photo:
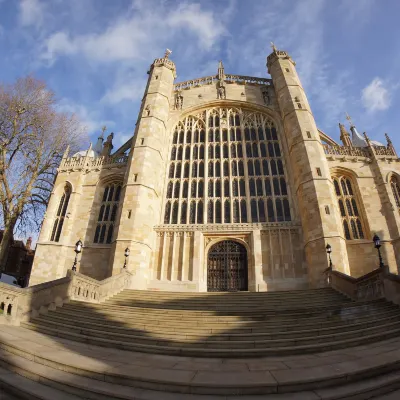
[227,267]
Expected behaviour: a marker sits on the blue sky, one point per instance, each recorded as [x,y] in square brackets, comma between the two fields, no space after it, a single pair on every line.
[95,53]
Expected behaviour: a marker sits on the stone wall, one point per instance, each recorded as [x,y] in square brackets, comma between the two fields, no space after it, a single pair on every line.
[275,256]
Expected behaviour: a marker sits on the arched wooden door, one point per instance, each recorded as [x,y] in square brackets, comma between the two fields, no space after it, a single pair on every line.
[227,267]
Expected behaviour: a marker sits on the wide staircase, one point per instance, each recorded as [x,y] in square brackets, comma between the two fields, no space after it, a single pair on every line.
[310,344]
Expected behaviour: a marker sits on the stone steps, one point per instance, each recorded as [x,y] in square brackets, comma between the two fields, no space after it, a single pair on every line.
[270,333]
[208,349]
[16,387]
[266,330]
[82,313]
[70,371]
[280,314]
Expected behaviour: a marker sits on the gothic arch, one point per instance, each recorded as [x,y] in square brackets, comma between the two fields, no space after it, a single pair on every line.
[230,104]
[59,189]
[350,204]
[242,242]
[223,132]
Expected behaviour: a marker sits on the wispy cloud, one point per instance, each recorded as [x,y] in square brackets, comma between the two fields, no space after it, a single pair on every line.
[31,13]
[128,37]
[376,96]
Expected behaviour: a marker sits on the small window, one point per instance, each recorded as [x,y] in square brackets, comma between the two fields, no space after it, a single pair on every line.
[61,213]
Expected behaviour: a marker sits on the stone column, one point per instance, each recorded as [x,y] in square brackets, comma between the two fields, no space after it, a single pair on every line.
[317,201]
[256,257]
[199,274]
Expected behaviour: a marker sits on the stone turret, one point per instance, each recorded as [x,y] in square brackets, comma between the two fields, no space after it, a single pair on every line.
[144,178]
[319,213]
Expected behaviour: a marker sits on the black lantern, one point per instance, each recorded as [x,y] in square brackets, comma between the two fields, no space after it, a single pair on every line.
[377,243]
[78,249]
[329,251]
[127,251]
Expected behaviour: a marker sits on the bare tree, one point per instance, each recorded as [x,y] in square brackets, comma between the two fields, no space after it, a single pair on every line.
[33,136]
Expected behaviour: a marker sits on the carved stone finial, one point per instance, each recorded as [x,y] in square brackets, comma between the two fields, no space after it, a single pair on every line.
[167,53]
[388,138]
[103,129]
[273,47]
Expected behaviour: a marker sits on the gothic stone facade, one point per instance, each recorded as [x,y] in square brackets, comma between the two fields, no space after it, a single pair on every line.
[224,158]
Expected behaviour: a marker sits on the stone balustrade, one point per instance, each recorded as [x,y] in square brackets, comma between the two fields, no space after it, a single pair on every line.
[242,79]
[379,283]
[346,151]
[384,151]
[93,163]
[91,290]
[20,304]
[358,151]
[208,80]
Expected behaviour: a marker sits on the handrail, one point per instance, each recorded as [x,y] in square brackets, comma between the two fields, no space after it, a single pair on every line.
[20,304]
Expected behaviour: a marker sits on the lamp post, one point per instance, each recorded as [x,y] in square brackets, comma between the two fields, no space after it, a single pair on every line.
[329,251]
[377,242]
[78,249]
[127,251]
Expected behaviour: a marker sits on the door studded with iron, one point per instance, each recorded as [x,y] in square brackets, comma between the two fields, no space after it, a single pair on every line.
[227,267]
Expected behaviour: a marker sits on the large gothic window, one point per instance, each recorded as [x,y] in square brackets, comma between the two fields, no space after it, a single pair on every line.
[394,184]
[61,212]
[349,209]
[107,214]
[236,170]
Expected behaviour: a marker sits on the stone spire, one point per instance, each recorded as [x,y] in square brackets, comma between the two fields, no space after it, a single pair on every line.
[345,136]
[98,148]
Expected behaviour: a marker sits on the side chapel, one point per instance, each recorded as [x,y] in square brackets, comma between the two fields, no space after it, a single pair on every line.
[226,184]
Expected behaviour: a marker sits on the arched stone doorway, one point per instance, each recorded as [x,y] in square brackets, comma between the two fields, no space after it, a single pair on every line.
[227,267]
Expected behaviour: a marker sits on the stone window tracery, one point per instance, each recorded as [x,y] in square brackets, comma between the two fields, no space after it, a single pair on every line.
[108,213]
[394,184]
[349,210]
[225,148]
[61,212]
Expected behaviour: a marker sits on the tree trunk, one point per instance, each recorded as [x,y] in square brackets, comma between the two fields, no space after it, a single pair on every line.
[6,243]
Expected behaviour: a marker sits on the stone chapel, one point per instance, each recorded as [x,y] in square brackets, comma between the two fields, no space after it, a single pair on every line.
[227,184]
